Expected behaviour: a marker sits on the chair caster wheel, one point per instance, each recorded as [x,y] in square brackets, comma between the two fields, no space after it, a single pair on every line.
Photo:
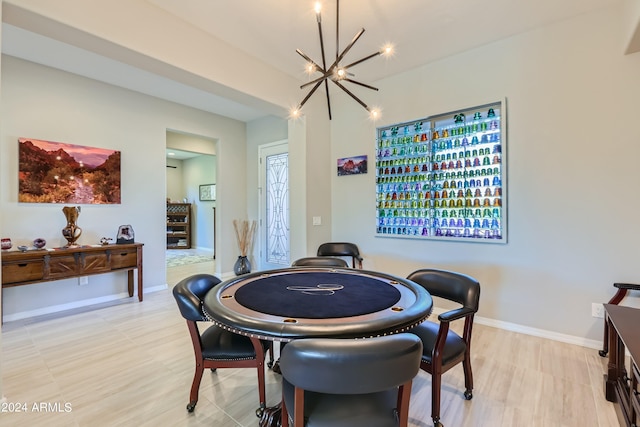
[213,369]
[260,410]
[191,406]
[468,395]
[603,353]
[437,424]
[270,364]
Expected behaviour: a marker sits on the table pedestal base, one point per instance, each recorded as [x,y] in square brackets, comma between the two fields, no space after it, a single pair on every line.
[271,416]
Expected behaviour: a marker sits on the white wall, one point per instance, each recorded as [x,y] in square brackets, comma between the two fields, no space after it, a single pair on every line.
[201,170]
[175,180]
[572,102]
[43,103]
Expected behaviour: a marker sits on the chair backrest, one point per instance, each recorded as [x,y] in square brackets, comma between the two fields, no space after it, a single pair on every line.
[320,261]
[347,366]
[341,249]
[190,292]
[449,285]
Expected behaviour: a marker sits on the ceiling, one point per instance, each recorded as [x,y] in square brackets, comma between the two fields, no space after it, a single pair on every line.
[174,154]
[422,31]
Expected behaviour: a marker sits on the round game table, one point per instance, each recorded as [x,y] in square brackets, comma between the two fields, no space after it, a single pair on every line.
[317,302]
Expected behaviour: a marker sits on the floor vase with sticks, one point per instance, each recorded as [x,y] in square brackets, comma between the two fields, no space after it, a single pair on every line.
[245,231]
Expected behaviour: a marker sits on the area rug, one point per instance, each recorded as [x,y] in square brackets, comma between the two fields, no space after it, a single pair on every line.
[175,259]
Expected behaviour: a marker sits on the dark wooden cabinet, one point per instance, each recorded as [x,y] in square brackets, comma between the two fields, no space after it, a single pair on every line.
[178,225]
[35,266]
[621,385]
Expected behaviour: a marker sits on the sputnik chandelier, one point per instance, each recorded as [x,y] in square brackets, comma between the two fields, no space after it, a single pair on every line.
[336,72]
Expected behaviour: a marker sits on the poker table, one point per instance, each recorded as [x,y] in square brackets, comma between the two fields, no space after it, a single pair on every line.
[317,302]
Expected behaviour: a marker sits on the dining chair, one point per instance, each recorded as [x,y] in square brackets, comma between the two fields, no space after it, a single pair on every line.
[320,261]
[341,249]
[349,383]
[443,348]
[215,347]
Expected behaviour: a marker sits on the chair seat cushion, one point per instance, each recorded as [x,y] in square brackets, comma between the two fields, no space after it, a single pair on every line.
[218,344]
[350,410]
[428,332]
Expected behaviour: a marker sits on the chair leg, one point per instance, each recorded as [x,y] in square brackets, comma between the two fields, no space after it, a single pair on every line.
[468,378]
[404,395]
[436,384]
[270,362]
[195,386]
[298,407]
[284,422]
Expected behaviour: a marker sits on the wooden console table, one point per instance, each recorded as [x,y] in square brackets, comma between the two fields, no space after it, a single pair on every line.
[36,266]
[620,387]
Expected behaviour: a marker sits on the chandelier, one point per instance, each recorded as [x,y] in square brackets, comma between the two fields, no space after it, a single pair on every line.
[336,72]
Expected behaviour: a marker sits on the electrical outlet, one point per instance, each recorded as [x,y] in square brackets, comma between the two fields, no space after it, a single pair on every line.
[597,310]
[83,280]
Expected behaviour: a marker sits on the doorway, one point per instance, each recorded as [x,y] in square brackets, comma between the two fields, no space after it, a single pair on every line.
[274,205]
[191,165]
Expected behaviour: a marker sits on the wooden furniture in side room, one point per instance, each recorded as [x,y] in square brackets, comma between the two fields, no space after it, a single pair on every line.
[621,386]
[37,266]
[178,225]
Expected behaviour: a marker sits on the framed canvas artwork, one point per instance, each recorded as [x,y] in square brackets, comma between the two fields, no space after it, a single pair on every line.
[58,172]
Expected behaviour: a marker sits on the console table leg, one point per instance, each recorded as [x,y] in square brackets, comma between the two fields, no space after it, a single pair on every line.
[130,282]
[612,367]
[140,274]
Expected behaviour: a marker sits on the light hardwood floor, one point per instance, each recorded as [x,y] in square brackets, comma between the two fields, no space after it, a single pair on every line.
[131,364]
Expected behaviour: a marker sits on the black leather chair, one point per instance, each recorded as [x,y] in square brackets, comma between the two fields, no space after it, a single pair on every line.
[341,249]
[215,347]
[349,383]
[320,261]
[442,348]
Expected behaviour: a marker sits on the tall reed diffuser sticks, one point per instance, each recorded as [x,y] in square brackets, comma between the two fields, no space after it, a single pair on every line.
[245,230]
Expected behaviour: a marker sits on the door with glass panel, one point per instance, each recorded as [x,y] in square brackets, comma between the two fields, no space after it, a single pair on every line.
[274,205]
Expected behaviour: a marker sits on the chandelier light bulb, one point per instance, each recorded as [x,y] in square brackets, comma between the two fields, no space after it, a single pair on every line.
[310,68]
[295,113]
[317,7]
[387,50]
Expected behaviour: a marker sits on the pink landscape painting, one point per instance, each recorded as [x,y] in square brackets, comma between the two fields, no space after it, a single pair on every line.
[57,172]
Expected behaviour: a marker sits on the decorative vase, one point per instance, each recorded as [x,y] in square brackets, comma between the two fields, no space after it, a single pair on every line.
[242,266]
[71,232]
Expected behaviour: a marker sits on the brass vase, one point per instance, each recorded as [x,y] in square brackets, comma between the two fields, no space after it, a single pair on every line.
[71,232]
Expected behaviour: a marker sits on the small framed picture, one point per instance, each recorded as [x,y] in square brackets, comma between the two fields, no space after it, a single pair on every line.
[352,165]
[207,192]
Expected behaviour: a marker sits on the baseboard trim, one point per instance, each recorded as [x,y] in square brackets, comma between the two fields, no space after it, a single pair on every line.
[75,304]
[542,333]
